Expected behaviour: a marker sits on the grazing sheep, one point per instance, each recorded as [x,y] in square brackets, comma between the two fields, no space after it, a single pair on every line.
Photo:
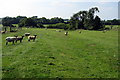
[66,33]
[27,34]
[3,32]
[58,30]
[10,39]
[104,31]
[32,37]
[20,38]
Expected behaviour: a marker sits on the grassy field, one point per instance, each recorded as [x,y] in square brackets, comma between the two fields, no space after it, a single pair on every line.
[91,54]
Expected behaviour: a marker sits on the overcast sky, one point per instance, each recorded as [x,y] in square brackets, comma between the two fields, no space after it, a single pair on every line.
[57,8]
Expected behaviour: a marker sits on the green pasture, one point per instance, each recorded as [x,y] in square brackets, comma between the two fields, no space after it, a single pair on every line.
[90,54]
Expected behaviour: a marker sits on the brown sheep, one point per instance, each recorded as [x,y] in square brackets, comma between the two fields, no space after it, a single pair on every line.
[20,38]
[3,32]
[32,37]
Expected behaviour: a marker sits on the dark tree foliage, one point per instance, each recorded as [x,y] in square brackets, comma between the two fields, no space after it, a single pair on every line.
[112,22]
[97,23]
[86,20]
[80,20]
[39,25]
[6,21]
[59,26]
[29,22]
[56,20]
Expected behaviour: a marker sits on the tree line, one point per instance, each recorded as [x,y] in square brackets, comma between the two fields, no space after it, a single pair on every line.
[80,20]
[112,22]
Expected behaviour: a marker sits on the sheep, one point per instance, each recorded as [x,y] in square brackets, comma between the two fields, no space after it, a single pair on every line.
[104,31]
[3,32]
[27,34]
[58,30]
[19,38]
[32,37]
[10,39]
[66,33]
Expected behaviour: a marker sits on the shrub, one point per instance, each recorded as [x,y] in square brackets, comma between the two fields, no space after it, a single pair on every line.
[39,25]
[59,26]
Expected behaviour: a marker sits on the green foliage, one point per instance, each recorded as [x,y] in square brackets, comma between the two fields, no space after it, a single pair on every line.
[60,26]
[27,22]
[6,21]
[56,20]
[86,20]
[112,22]
[21,22]
[97,23]
[39,25]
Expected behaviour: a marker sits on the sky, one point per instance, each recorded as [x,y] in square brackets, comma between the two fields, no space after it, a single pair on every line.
[57,8]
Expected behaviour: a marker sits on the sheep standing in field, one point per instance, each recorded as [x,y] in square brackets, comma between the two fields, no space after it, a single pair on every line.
[66,33]
[104,31]
[27,34]
[19,38]
[10,39]
[58,30]
[3,32]
[32,37]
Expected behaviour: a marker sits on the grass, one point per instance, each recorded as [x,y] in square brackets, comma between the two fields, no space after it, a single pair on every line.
[91,54]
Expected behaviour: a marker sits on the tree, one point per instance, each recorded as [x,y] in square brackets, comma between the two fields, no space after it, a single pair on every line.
[86,20]
[90,19]
[22,22]
[56,20]
[28,22]
[39,25]
[92,12]
[73,23]
[43,20]
[97,23]
[6,21]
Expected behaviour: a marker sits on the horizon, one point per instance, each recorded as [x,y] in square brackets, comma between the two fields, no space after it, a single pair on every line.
[51,8]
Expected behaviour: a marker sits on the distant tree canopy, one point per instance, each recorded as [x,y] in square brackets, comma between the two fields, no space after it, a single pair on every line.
[81,20]
[59,26]
[7,21]
[86,20]
[112,22]
[28,22]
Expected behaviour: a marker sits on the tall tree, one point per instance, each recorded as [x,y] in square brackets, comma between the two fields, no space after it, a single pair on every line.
[85,19]
[97,23]
[6,22]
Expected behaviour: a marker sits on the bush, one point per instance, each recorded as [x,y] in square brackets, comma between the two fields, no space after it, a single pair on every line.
[39,25]
[59,26]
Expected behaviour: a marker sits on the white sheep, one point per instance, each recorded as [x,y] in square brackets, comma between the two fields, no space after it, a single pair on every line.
[27,34]
[58,30]
[66,33]
[3,32]
[32,37]
[104,31]
[10,39]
